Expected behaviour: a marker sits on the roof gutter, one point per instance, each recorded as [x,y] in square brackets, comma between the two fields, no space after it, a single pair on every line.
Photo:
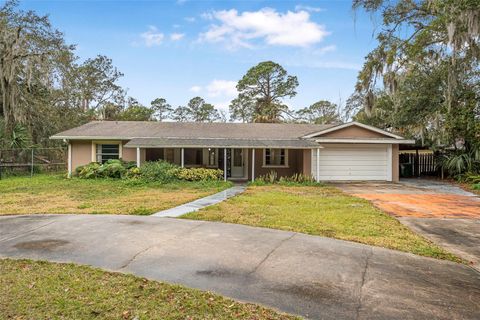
[89,138]
[225,146]
[373,141]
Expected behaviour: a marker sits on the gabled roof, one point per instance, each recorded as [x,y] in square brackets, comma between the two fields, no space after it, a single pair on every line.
[248,135]
[126,130]
[350,124]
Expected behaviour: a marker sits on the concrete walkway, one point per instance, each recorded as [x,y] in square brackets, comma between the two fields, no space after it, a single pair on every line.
[316,277]
[201,203]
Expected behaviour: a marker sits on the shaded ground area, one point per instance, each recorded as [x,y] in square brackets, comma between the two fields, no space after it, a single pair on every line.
[442,212]
[319,210]
[316,277]
[459,236]
[80,292]
[56,194]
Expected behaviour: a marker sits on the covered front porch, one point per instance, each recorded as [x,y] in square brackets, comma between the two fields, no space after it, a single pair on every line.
[237,163]
[232,161]
[240,159]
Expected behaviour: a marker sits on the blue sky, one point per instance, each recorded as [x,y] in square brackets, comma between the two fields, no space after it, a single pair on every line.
[180,49]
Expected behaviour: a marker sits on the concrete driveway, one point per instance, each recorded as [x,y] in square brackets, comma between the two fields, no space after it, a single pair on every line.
[440,211]
[315,277]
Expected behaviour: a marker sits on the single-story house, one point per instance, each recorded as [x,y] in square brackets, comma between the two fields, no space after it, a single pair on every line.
[350,151]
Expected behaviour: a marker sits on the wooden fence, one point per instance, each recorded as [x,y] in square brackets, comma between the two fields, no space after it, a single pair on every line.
[423,164]
[32,160]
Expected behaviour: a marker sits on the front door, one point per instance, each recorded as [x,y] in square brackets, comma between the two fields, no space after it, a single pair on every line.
[237,162]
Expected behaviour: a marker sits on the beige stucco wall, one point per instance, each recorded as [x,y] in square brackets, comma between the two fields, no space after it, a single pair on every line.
[395,163]
[299,161]
[81,153]
[353,132]
[129,154]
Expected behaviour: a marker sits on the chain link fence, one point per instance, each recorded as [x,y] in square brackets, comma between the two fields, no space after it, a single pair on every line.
[31,161]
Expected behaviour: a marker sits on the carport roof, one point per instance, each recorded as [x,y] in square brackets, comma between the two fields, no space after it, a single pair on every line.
[219,143]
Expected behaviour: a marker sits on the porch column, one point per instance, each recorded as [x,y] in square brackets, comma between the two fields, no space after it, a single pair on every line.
[69,166]
[318,164]
[253,165]
[182,157]
[138,157]
[225,164]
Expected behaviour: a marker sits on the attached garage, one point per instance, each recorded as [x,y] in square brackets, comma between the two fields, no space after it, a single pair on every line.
[351,162]
[355,152]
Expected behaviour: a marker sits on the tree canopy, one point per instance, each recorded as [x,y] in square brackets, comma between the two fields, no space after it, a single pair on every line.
[43,81]
[422,80]
[162,110]
[321,112]
[261,93]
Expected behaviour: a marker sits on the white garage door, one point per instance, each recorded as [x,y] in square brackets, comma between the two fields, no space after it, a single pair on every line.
[353,162]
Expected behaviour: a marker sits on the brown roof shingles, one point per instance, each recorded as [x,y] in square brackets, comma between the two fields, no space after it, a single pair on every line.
[151,129]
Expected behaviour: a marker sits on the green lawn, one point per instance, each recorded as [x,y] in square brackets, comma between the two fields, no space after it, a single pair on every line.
[56,194]
[323,211]
[44,290]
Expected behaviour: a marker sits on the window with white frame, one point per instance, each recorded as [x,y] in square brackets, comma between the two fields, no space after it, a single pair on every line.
[275,158]
[105,152]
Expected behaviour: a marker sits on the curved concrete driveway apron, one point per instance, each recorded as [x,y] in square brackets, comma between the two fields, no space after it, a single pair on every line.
[440,211]
[315,277]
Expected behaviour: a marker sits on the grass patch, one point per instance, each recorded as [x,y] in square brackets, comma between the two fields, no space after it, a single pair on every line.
[56,194]
[474,188]
[323,211]
[44,290]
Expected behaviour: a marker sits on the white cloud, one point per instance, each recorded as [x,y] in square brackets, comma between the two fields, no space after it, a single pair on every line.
[222,88]
[207,16]
[325,49]
[308,8]
[152,37]
[274,28]
[189,19]
[222,105]
[196,89]
[176,36]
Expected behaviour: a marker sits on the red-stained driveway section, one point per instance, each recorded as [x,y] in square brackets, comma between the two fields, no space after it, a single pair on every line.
[418,199]
[426,205]
[440,211]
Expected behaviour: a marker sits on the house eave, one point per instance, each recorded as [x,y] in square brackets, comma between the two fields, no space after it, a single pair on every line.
[349,124]
[220,143]
[367,141]
[55,137]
